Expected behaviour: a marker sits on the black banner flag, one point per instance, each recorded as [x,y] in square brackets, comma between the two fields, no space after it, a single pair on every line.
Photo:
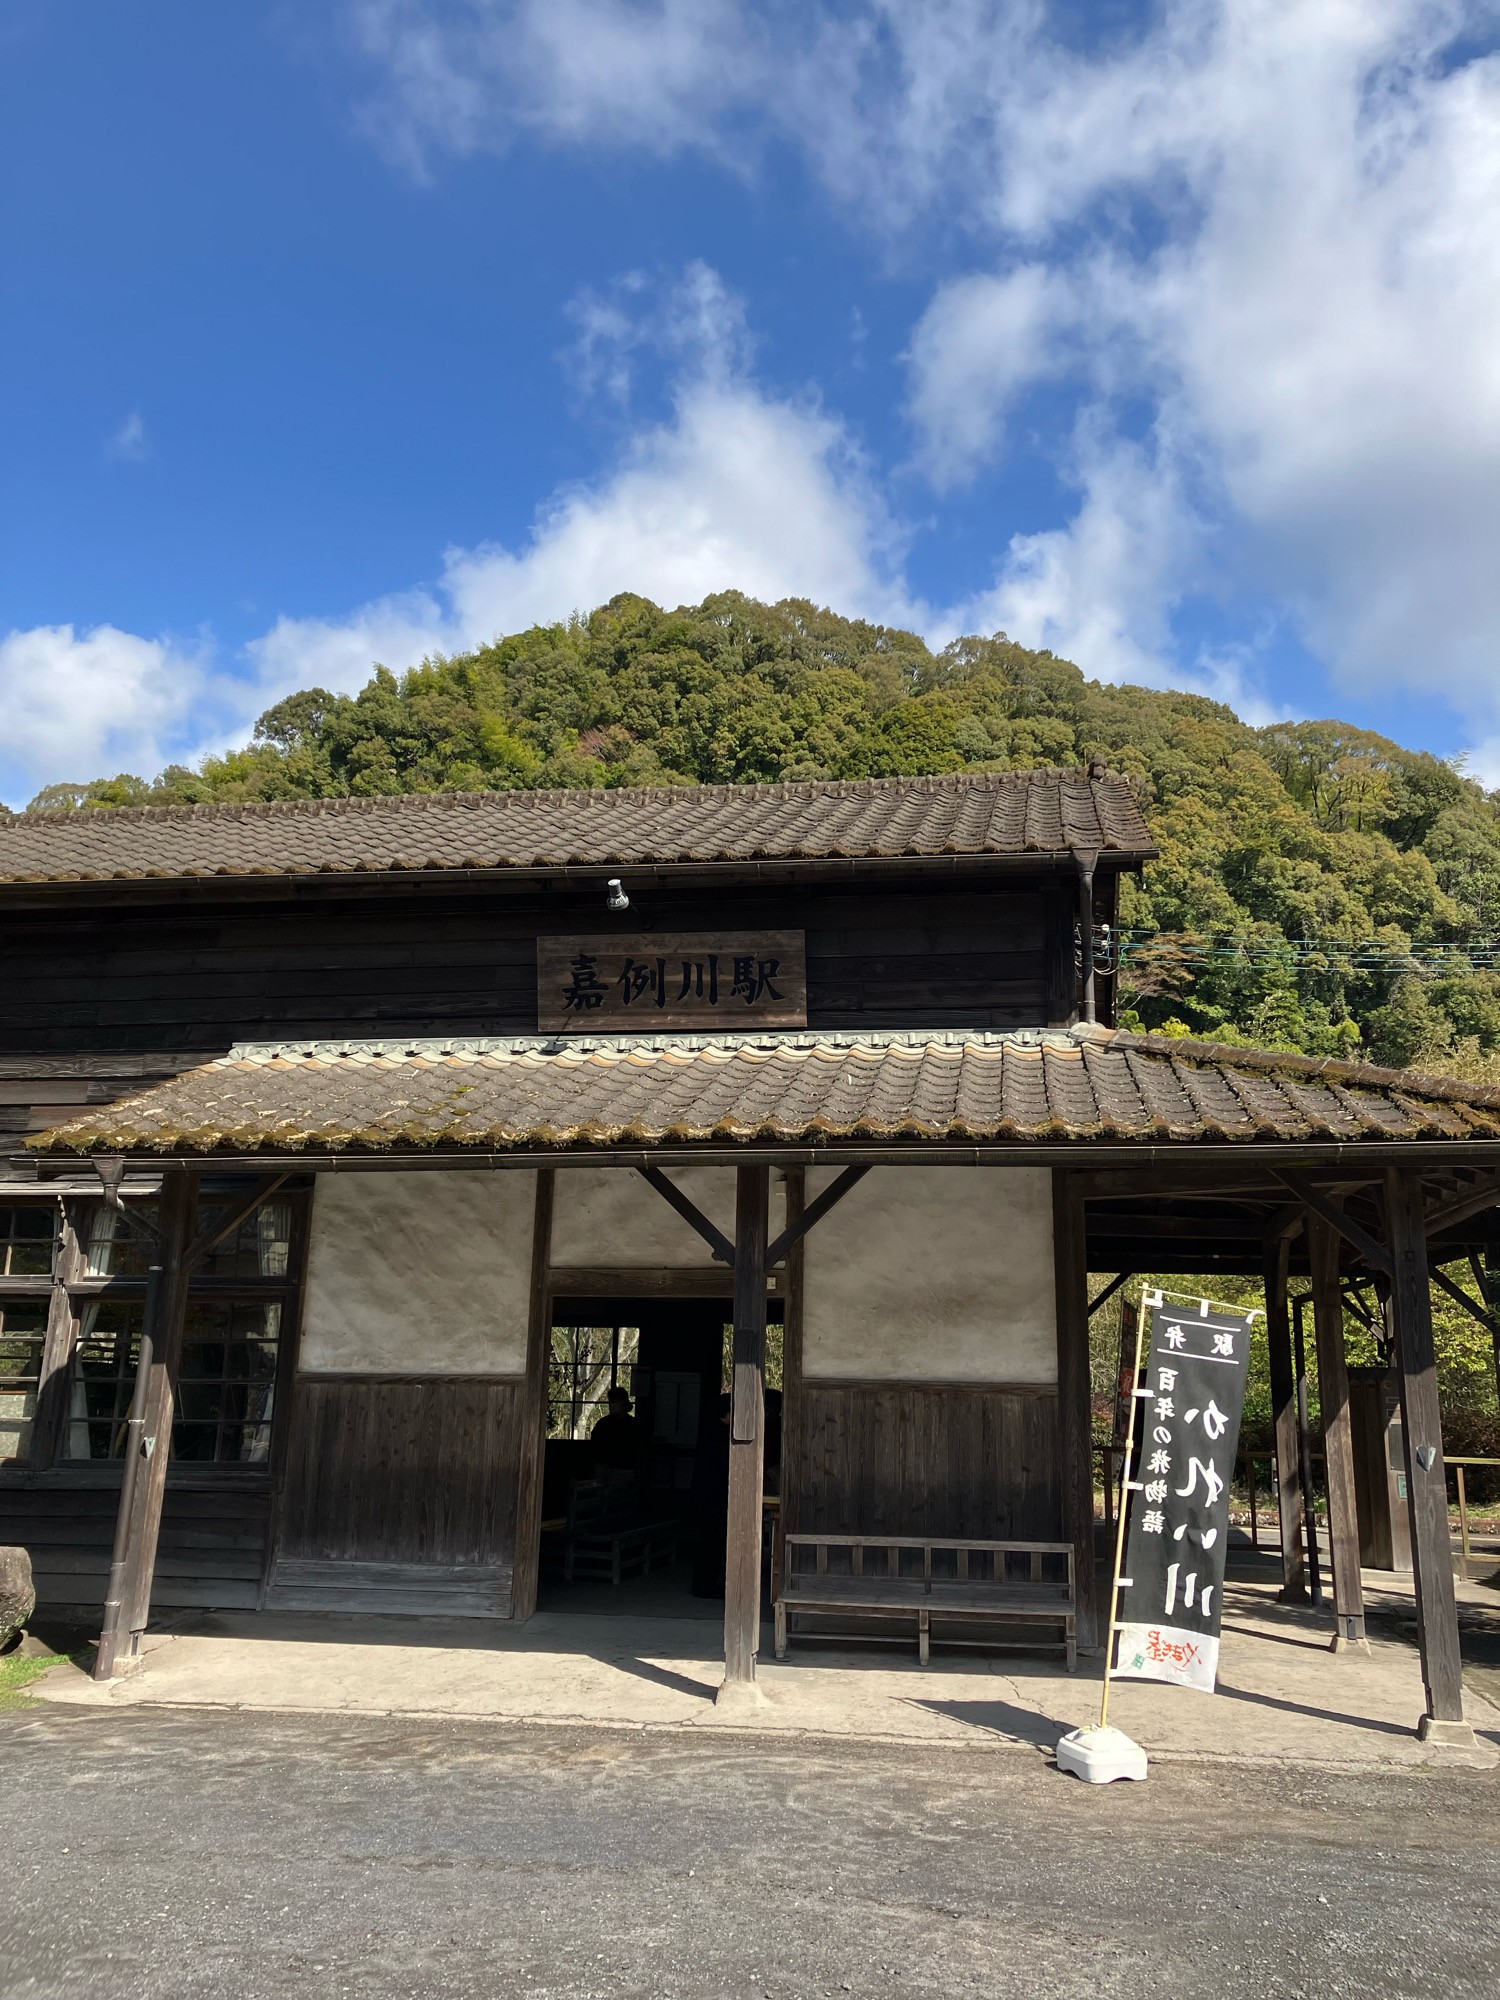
[1191,1401]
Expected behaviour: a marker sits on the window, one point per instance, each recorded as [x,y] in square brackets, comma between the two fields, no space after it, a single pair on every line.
[114,1250]
[109,1341]
[227,1385]
[260,1248]
[28,1241]
[587,1362]
[23,1329]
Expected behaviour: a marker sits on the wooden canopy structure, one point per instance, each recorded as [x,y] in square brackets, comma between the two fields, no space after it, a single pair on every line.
[1163,1154]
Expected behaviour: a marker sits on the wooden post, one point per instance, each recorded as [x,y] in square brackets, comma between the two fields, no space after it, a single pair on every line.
[742,1547]
[148,1446]
[1338,1435]
[533,1440]
[1284,1411]
[792,1446]
[1074,1397]
[1426,1477]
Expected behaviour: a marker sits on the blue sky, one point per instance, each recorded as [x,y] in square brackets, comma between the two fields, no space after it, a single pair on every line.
[1161,335]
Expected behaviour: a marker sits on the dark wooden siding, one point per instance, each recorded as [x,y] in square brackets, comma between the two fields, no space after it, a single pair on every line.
[909,1459]
[146,976]
[400,1495]
[212,1550]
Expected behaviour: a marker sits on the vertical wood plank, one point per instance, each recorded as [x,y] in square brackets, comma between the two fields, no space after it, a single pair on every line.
[1338,1434]
[533,1439]
[742,1548]
[1426,1485]
[1074,1398]
[1284,1413]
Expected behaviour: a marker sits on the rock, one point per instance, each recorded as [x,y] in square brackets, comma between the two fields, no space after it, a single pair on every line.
[17,1593]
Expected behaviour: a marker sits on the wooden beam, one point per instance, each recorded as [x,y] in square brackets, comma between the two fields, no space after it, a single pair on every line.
[148,1444]
[228,1220]
[1074,1397]
[1338,1436]
[690,1212]
[1108,1293]
[56,1373]
[747,1422]
[533,1438]
[1447,1215]
[1284,1417]
[1426,1476]
[1460,1297]
[1374,1253]
[814,1212]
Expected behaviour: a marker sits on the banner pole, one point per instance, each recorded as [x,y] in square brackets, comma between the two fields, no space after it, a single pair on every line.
[1121,1511]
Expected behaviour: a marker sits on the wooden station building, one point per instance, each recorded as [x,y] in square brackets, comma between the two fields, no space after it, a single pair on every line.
[321,1116]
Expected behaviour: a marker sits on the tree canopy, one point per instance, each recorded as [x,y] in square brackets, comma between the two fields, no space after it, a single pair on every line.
[1319,888]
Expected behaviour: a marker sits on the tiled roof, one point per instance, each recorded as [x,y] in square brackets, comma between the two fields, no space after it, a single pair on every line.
[986,813]
[1085,1086]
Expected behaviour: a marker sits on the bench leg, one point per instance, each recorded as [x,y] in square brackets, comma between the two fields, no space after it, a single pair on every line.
[924,1637]
[780,1630]
[1072,1637]
[614,1568]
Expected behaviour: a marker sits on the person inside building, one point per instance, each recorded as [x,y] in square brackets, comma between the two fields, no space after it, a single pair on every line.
[619,1443]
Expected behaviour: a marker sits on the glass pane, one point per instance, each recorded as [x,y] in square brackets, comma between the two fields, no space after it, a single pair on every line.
[114,1251]
[28,1240]
[227,1383]
[103,1378]
[23,1328]
[260,1248]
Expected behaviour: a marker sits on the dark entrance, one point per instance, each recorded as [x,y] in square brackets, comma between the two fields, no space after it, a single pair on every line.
[634,1521]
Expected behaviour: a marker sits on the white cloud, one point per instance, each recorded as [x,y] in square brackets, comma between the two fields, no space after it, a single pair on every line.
[1273,226]
[472,76]
[736,489]
[82,704]
[128,441]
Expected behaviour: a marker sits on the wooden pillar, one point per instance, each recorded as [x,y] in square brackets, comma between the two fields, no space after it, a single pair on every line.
[1075,1397]
[1338,1435]
[1426,1478]
[533,1439]
[1284,1411]
[793,1447]
[742,1547]
[148,1444]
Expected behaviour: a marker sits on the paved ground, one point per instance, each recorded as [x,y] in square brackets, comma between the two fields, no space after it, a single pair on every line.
[155,1853]
[1282,1694]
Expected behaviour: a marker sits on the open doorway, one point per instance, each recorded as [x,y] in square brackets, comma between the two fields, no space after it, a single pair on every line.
[635,1476]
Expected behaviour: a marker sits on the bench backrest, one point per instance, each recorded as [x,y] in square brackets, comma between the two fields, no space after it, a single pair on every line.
[930,1558]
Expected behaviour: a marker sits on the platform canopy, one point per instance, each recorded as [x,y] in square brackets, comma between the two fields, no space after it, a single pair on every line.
[1081,1097]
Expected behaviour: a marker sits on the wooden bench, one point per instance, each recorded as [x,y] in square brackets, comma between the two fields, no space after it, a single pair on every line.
[602,1539]
[895,1576]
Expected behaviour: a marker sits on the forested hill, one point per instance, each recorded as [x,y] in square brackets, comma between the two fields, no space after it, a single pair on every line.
[1319,888]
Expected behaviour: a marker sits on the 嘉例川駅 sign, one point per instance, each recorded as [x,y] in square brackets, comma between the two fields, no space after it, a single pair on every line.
[613,984]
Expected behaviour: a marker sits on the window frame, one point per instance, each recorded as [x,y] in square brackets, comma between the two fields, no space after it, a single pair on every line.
[70,1290]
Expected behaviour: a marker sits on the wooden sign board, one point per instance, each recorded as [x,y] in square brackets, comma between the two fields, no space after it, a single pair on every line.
[719,981]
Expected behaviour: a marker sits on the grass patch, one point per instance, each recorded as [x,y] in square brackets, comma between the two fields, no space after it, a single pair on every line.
[19,1670]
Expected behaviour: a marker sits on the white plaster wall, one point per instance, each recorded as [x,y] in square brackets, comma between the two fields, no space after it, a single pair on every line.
[610,1216]
[938,1274]
[419,1274]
